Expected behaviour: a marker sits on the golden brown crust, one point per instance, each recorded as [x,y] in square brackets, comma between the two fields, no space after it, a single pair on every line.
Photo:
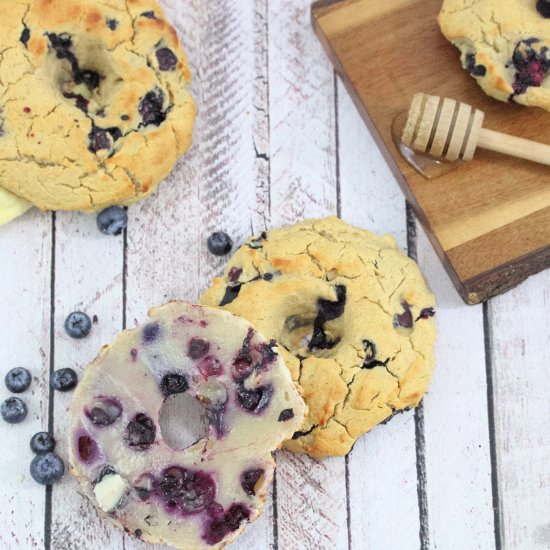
[91,114]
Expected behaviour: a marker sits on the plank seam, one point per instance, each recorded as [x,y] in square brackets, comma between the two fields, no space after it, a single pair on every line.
[48,501]
[275,513]
[348,504]
[421,475]
[124,274]
[491,422]
[337,160]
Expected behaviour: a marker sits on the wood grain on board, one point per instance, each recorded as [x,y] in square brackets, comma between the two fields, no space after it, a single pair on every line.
[488,219]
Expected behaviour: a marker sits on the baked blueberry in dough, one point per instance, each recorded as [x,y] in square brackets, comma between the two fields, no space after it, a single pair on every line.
[504,45]
[204,495]
[94,103]
[353,318]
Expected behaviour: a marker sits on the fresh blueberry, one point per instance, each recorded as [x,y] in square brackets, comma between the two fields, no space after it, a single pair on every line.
[64,379]
[249,480]
[219,243]
[47,468]
[140,432]
[112,220]
[543,7]
[173,383]
[167,60]
[42,442]
[78,324]
[14,410]
[18,380]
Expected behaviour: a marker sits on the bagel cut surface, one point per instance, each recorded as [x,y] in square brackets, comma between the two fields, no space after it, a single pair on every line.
[94,102]
[204,495]
[353,317]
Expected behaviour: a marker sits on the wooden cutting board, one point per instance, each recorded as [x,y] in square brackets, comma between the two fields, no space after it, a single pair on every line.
[489,219]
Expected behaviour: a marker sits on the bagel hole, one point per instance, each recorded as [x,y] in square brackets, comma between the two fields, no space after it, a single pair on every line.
[183,421]
[298,332]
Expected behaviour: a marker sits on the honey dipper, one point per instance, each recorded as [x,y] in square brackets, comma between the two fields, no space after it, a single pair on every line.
[451,130]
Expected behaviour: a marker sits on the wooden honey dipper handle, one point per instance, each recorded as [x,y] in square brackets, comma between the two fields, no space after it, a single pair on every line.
[447,129]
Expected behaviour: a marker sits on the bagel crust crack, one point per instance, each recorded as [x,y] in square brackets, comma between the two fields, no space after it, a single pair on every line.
[354,319]
[93,98]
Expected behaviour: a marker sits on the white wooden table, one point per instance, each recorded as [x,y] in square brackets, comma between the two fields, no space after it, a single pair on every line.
[278,139]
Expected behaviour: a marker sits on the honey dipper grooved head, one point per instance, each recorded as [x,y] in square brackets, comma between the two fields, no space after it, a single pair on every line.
[442,127]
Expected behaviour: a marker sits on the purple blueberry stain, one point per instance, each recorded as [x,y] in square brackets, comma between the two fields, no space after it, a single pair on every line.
[231,293]
[531,65]
[234,274]
[88,450]
[140,432]
[249,480]
[149,15]
[167,59]
[404,319]
[242,364]
[112,24]
[150,333]
[220,524]
[210,366]
[184,491]
[134,354]
[104,412]
[197,348]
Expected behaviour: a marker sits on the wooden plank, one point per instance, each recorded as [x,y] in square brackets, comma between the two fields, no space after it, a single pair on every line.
[220,184]
[456,211]
[25,248]
[520,331]
[88,277]
[382,475]
[455,420]
[311,494]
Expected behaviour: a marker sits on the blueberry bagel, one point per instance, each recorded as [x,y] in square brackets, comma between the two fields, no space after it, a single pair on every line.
[504,45]
[353,318]
[204,495]
[94,102]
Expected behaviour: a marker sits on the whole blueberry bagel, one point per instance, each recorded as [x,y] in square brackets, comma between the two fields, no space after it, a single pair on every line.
[504,45]
[204,495]
[353,317]
[94,102]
